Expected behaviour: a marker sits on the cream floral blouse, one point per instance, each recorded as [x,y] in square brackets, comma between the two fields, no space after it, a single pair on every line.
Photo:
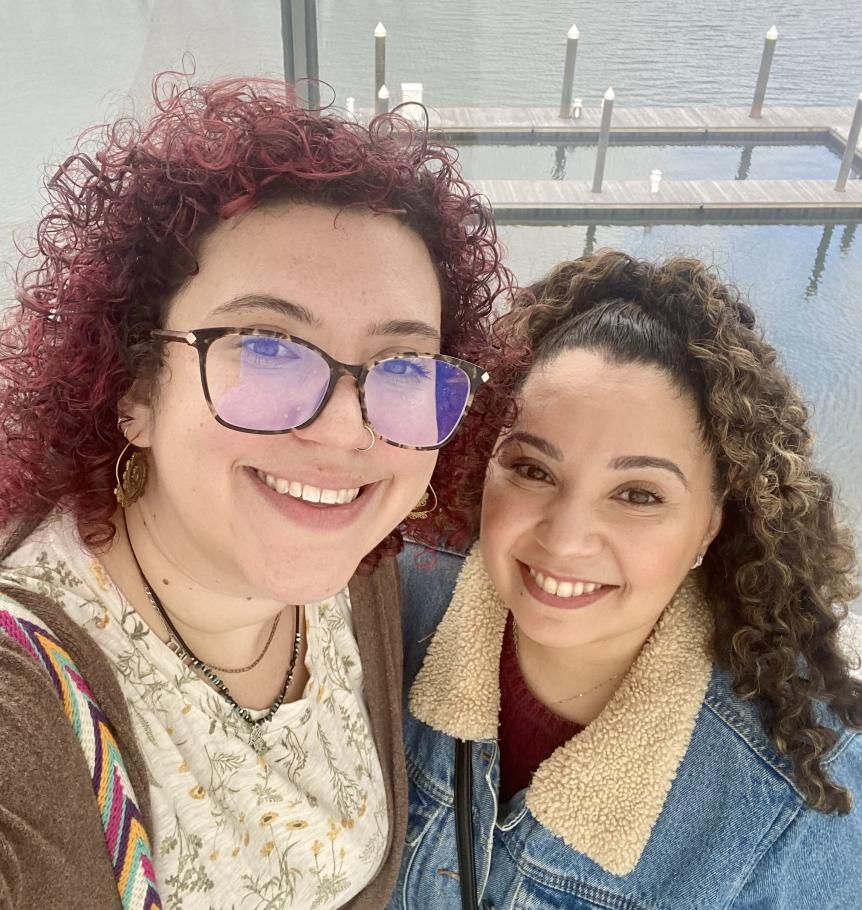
[301,825]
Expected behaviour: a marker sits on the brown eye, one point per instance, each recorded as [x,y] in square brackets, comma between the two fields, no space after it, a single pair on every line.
[531,472]
[636,496]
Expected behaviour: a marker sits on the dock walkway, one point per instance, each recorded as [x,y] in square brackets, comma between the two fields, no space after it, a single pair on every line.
[644,124]
[677,201]
[698,201]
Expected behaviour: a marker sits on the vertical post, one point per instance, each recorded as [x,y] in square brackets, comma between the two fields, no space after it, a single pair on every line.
[569,71]
[299,42]
[604,136]
[381,105]
[763,76]
[379,60]
[311,54]
[850,149]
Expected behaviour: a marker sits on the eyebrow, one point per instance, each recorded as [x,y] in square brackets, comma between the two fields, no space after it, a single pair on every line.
[299,313]
[267,302]
[405,327]
[625,462]
[622,463]
[537,442]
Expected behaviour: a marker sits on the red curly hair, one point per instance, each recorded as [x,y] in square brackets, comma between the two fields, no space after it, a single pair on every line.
[120,236]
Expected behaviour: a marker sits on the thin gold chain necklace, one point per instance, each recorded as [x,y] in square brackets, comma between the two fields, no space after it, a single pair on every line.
[604,682]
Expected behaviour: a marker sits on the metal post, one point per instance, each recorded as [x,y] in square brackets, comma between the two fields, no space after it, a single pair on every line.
[569,72]
[763,75]
[381,105]
[299,40]
[850,149]
[604,136]
[379,59]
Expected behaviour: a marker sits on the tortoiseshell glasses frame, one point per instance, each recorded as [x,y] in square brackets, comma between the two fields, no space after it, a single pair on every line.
[203,339]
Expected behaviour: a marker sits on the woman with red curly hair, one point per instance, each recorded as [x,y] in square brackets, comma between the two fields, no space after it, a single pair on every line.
[235,358]
[639,663]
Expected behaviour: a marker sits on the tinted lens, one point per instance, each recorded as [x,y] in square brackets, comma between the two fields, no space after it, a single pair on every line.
[261,383]
[416,401]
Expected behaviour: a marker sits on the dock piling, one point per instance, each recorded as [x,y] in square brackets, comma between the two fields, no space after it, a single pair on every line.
[763,76]
[850,148]
[379,60]
[604,137]
[569,71]
[381,105]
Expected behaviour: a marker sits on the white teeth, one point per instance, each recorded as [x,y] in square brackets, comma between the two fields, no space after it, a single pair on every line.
[310,493]
[307,491]
[562,588]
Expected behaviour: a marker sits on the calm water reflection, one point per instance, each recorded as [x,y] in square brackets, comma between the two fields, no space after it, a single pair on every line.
[634,162]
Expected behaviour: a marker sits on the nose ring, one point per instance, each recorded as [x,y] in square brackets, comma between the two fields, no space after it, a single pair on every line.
[373,439]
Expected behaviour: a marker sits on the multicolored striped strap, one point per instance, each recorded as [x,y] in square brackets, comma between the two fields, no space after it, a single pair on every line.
[126,838]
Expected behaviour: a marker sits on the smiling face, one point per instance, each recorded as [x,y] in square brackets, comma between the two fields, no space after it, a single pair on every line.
[597,502]
[236,512]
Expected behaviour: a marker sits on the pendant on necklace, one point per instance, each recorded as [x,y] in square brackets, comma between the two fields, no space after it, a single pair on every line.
[258,743]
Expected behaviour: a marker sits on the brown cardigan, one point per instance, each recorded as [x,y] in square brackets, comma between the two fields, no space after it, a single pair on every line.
[52,846]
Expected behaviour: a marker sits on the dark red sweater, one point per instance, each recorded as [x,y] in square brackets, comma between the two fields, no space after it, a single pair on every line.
[529,732]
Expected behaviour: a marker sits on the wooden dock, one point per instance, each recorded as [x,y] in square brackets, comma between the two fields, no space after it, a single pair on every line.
[677,201]
[644,125]
[698,201]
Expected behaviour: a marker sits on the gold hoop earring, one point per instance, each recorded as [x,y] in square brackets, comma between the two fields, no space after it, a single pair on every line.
[373,439]
[130,488]
[421,512]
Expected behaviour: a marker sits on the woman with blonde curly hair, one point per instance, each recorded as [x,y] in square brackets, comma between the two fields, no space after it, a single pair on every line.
[637,697]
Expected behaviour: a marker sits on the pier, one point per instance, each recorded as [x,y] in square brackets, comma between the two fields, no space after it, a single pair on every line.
[686,201]
[646,125]
[676,201]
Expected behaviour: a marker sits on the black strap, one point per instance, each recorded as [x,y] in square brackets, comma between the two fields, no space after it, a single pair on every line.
[464,822]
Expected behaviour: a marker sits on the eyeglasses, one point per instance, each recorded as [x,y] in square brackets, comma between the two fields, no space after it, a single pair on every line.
[259,381]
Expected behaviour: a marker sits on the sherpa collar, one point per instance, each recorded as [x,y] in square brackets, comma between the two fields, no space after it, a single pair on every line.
[601,792]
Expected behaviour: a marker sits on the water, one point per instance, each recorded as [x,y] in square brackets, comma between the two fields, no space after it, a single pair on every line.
[64,66]
[628,162]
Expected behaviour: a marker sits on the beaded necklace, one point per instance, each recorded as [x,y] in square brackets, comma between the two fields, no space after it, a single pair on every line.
[189,658]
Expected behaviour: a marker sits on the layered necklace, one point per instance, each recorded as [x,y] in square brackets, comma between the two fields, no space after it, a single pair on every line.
[210,671]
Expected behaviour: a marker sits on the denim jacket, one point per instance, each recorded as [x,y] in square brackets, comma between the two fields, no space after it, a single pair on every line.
[674,798]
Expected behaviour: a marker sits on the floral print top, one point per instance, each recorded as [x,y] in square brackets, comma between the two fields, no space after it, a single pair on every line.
[302,825]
